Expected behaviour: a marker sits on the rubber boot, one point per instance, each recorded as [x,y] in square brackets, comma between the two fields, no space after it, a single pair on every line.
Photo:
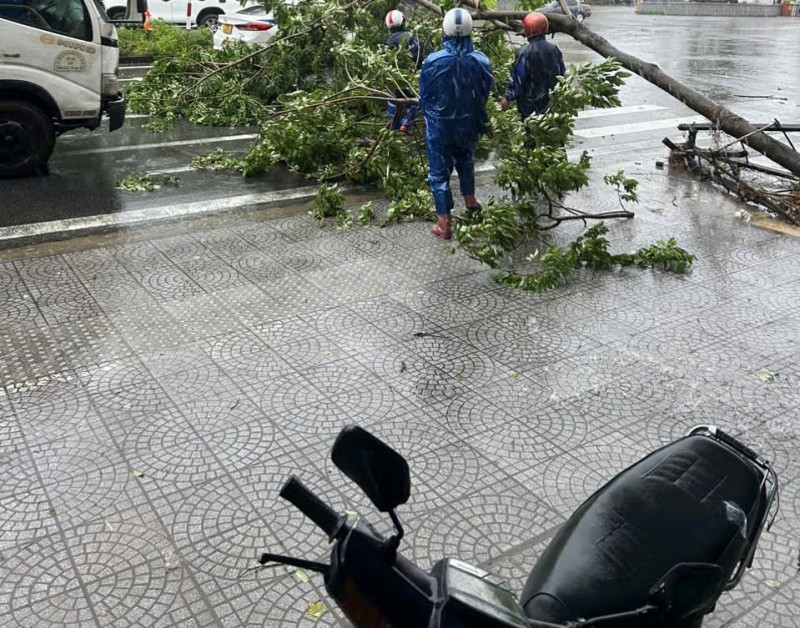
[442,228]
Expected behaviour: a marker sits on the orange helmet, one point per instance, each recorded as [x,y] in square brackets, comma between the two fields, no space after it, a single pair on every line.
[535,24]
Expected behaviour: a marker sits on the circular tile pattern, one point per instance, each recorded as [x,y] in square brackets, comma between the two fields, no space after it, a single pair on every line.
[479,527]
[56,409]
[131,568]
[15,311]
[446,473]
[284,602]
[472,414]
[82,481]
[36,571]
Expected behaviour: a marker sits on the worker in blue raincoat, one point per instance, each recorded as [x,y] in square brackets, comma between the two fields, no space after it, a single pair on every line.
[401,117]
[454,86]
[536,69]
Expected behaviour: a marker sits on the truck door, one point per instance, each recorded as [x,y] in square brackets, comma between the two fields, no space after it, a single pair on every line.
[166,10]
[54,44]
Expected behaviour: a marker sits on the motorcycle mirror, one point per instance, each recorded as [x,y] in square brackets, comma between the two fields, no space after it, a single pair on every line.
[688,589]
[379,470]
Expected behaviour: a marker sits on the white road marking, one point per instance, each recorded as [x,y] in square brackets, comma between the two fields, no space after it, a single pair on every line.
[106,221]
[135,116]
[635,127]
[131,80]
[617,111]
[122,68]
[125,149]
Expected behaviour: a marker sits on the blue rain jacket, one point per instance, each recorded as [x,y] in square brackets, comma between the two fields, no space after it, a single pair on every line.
[454,86]
[537,67]
[405,118]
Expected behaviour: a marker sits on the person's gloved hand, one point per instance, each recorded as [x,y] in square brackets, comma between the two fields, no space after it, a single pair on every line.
[504,104]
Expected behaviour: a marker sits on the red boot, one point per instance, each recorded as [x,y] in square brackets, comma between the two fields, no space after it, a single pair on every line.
[442,228]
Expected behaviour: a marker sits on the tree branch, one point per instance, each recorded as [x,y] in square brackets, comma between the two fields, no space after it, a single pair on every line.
[723,118]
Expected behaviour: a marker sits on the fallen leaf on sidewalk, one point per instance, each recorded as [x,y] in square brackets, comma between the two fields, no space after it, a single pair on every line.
[138,474]
[316,609]
[767,376]
[301,575]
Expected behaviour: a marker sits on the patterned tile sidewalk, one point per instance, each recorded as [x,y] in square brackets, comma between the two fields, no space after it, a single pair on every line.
[156,393]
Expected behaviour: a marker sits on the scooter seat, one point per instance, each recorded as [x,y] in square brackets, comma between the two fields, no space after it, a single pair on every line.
[682,503]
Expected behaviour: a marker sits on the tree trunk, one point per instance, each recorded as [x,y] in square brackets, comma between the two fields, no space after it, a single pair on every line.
[723,118]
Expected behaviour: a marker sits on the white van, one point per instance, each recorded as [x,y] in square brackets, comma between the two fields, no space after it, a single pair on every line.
[205,13]
[58,71]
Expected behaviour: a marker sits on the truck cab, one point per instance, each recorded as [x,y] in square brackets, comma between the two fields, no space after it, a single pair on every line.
[58,71]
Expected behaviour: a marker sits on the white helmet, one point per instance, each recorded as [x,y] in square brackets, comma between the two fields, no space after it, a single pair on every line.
[395,19]
[457,23]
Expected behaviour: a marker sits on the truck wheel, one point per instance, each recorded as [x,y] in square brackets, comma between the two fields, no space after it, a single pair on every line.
[209,20]
[27,138]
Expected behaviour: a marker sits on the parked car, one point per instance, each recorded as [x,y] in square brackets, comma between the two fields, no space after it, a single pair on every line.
[205,13]
[579,10]
[252,25]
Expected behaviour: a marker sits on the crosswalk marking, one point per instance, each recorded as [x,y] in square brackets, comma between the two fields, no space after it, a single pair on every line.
[125,149]
[635,127]
[617,111]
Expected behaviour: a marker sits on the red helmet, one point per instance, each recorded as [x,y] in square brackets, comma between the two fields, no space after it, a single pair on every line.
[535,24]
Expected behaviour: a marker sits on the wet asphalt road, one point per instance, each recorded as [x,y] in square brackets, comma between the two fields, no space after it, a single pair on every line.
[725,58]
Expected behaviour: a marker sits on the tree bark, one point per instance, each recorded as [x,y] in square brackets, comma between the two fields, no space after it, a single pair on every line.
[723,118]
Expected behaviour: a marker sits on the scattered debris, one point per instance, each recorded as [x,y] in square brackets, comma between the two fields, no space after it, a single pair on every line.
[767,376]
[316,609]
[301,575]
[774,189]
[146,183]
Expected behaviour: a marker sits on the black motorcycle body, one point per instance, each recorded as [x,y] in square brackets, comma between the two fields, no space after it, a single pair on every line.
[656,546]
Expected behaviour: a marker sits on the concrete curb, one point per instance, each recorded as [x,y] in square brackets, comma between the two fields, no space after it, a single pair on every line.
[36,233]
[39,232]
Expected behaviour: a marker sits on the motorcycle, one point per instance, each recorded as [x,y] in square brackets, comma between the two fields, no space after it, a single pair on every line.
[655,547]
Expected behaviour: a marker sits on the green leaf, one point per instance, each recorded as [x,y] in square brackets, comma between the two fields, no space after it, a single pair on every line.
[301,575]
[316,609]
[767,376]
[138,474]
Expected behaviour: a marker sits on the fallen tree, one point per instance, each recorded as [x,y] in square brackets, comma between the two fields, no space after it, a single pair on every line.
[724,119]
[318,91]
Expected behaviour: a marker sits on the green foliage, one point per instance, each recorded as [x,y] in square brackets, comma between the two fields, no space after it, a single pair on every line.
[530,5]
[366,214]
[318,93]
[663,255]
[329,203]
[625,187]
[165,40]
[591,250]
[146,183]
[219,159]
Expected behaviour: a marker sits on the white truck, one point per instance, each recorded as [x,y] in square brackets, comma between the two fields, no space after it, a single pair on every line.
[58,71]
[200,13]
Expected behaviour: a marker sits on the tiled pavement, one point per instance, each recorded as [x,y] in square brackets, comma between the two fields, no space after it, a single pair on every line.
[156,393]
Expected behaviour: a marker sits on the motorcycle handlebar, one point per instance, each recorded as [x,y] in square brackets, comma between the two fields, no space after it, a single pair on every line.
[295,492]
